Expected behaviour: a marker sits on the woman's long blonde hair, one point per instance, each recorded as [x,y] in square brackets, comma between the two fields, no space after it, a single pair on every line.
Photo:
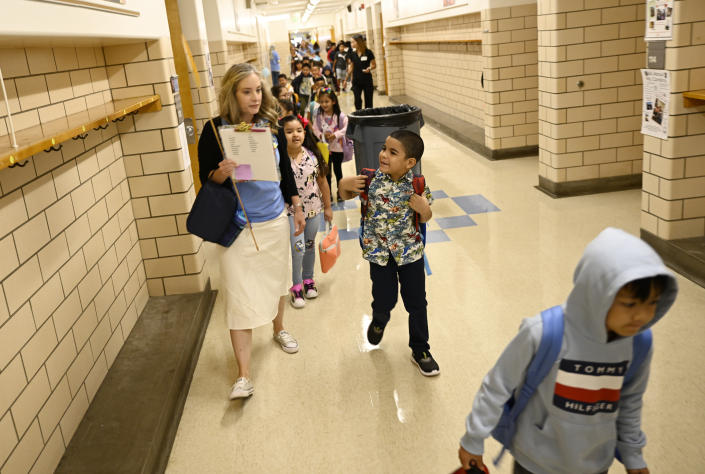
[229,108]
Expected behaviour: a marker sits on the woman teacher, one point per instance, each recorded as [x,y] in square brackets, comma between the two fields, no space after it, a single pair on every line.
[361,63]
[254,283]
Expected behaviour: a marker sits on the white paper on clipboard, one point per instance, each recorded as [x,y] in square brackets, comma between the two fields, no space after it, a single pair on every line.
[253,151]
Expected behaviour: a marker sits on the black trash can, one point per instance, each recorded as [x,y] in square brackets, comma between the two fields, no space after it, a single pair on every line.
[369,128]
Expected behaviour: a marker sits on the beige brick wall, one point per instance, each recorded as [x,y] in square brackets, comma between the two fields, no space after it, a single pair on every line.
[591,131]
[45,84]
[509,50]
[72,277]
[395,63]
[446,76]
[157,165]
[673,195]
[204,98]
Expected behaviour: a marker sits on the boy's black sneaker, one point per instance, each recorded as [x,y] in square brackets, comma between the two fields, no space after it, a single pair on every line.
[374,333]
[426,363]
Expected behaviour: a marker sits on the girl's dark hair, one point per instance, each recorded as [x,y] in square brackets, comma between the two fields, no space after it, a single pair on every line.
[330,93]
[641,289]
[310,142]
[286,106]
[276,90]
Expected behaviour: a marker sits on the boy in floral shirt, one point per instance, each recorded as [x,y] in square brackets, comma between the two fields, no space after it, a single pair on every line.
[393,245]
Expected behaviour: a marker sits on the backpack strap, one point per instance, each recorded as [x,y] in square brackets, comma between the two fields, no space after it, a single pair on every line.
[539,367]
[641,347]
[419,184]
[364,195]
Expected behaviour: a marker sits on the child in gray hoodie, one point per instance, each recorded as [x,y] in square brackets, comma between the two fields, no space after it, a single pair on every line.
[576,420]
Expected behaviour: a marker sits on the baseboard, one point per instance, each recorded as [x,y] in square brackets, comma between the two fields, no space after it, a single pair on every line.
[589,186]
[686,256]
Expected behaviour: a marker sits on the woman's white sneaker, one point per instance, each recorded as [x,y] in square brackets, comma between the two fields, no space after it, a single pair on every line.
[243,388]
[287,342]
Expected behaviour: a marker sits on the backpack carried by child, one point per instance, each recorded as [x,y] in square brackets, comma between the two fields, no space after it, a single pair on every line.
[541,365]
[419,184]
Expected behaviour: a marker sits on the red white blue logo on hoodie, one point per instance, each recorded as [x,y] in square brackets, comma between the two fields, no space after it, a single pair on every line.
[587,388]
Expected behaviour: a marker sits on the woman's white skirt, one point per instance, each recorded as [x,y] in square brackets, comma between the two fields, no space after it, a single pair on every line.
[252,281]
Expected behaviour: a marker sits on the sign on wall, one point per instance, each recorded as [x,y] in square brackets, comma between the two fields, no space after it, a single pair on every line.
[659,20]
[657,91]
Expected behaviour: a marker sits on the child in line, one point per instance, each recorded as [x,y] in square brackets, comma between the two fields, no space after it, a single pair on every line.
[310,174]
[341,65]
[328,75]
[284,82]
[303,86]
[583,409]
[393,245]
[318,84]
[286,107]
[330,125]
[317,70]
[298,68]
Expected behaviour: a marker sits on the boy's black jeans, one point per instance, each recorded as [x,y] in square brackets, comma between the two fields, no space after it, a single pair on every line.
[385,292]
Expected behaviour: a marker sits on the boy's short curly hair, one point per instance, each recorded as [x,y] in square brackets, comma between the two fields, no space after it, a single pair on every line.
[412,143]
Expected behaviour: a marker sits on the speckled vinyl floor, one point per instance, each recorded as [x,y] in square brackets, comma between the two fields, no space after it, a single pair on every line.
[338,406]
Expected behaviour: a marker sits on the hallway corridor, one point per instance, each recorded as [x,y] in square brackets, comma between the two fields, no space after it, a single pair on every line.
[340,405]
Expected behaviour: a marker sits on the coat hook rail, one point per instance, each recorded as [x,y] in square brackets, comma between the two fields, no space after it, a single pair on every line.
[119,119]
[101,127]
[21,165]
[53,148]
[82,137]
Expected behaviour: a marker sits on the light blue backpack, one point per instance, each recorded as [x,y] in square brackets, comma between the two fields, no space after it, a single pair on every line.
[541,365]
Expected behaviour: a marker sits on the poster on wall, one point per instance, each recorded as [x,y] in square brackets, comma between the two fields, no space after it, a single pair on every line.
[657,90]
[659,20]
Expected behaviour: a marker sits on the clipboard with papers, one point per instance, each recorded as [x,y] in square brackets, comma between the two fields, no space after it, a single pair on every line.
[253,150]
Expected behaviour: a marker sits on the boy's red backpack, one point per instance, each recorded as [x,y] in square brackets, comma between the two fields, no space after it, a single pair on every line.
[419,184]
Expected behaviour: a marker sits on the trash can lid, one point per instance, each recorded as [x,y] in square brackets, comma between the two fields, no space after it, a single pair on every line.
[392,116]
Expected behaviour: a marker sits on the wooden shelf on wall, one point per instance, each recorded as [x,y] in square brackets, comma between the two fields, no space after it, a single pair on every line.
[694,98]
[50,135]
[472,41]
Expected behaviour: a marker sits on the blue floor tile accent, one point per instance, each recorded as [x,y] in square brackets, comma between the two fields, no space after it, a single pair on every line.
[475,204]
[352,234]
[440,194]
[433,236]
[453,222]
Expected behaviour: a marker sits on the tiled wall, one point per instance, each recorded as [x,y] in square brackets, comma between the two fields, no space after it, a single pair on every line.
[71,274]
[51,83]
[509,49]
[590,132]
[380,70]
[205,104]
[158,167]
[395,64]
[447,76]
[673,197]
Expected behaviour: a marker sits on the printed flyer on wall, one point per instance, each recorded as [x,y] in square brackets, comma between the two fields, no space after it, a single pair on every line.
[659,20]
[657,90]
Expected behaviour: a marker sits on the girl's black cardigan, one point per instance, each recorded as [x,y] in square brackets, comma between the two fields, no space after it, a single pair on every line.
[209,156]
